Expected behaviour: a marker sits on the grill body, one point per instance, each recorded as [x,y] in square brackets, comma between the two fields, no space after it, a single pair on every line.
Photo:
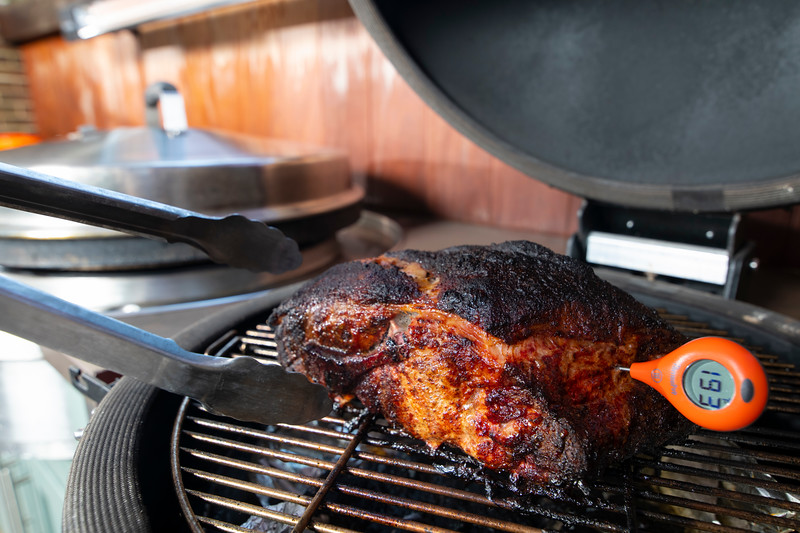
[352,472]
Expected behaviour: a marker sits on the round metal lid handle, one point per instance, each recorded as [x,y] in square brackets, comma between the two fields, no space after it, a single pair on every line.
[165,109]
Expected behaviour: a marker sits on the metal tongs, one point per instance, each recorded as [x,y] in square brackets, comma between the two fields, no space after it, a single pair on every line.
[242,387]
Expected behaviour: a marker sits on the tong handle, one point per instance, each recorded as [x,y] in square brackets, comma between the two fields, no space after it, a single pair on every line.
[241,388]
[234,240]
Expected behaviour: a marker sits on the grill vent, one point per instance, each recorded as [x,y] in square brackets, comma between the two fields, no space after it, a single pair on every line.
[354,473]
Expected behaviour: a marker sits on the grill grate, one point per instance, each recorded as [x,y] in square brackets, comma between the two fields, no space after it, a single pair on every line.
[355,473]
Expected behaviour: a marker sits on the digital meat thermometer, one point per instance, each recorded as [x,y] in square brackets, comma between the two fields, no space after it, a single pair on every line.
[714,382]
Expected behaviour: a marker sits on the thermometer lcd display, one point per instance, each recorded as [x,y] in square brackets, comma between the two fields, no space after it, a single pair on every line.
[709,384]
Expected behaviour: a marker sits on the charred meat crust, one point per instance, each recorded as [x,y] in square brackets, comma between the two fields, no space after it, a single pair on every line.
[505,351]
[330,328]
[516,288]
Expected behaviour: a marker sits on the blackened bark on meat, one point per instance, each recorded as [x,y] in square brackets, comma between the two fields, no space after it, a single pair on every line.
[516,288]
[505,351]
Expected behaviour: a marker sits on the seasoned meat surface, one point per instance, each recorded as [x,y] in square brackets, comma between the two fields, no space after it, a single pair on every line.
[507,352]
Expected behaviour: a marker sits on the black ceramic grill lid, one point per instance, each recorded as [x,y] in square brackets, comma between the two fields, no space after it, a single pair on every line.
[675,105]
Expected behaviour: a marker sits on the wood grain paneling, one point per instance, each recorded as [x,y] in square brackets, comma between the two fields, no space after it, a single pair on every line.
[96,82]
[303,70]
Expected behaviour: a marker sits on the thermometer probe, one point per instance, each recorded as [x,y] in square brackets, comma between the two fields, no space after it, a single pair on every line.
[714,382]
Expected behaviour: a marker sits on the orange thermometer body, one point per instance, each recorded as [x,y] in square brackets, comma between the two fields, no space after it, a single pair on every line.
[714,382]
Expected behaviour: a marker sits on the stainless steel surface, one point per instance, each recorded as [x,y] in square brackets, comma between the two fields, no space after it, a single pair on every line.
[201,170]
[651,256]
[234,240]
[241,388]
[426,234]
[239,477]
[197,290]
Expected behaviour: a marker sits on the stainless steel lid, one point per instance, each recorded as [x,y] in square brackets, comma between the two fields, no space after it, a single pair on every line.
[206,171]
[307,192]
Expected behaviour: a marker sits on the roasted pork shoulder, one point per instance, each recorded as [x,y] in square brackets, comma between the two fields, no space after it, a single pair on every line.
[507,352]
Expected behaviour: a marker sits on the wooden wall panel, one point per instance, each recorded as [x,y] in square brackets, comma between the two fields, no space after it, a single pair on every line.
[303,70]
[95,82]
